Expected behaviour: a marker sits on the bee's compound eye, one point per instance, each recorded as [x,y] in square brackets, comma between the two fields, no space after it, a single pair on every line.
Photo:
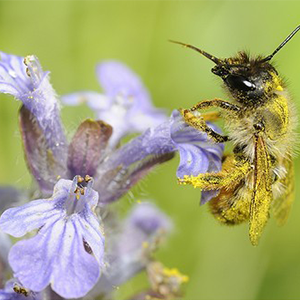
[240,83]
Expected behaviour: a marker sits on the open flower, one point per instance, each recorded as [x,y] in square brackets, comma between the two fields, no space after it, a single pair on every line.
[126,103]
[67,251]
[26,81]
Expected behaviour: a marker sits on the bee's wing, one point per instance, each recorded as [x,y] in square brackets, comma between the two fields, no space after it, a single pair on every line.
[262,191]
[282,205]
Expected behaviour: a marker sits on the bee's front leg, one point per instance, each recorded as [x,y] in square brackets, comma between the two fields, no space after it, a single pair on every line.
[218,103]
[200,124]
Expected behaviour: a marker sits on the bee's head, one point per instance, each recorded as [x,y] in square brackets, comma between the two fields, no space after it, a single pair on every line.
[249,81]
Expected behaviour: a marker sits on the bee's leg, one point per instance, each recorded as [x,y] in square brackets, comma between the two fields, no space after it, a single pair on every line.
[199,123]
[211,116]
[226,178]
[219,103]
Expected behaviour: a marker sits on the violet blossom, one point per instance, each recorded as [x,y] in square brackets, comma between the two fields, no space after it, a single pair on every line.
[126,103]
[67,251]
[66,225]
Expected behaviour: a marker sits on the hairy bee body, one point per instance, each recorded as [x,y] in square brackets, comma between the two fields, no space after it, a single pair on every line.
[279,124]
[260,120]
[278,114]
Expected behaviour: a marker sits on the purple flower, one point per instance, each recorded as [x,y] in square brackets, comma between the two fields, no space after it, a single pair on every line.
[115,172]
[41,128]
[197,153]
[67,251]
[25,80]
[126,104]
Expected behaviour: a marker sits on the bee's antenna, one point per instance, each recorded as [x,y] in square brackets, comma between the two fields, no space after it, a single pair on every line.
[269,57]
[207,55]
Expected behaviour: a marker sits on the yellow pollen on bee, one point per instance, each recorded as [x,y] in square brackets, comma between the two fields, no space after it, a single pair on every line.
[276,83]
[279,88]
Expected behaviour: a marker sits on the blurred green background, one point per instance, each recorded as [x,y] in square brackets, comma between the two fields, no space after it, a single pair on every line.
[70,37]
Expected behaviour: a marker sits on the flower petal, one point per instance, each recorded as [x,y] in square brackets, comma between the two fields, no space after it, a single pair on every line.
[197,153]
[88,147]
[92,232]
[18,221]
[13,77]
[193,160]
[207,196]
[117,79]
[56,256]
[94,100]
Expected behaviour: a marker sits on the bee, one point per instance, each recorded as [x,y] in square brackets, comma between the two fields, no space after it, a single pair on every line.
[260,120]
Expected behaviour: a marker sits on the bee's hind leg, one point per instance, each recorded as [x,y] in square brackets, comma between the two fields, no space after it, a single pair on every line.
[211,116]
[233,172]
